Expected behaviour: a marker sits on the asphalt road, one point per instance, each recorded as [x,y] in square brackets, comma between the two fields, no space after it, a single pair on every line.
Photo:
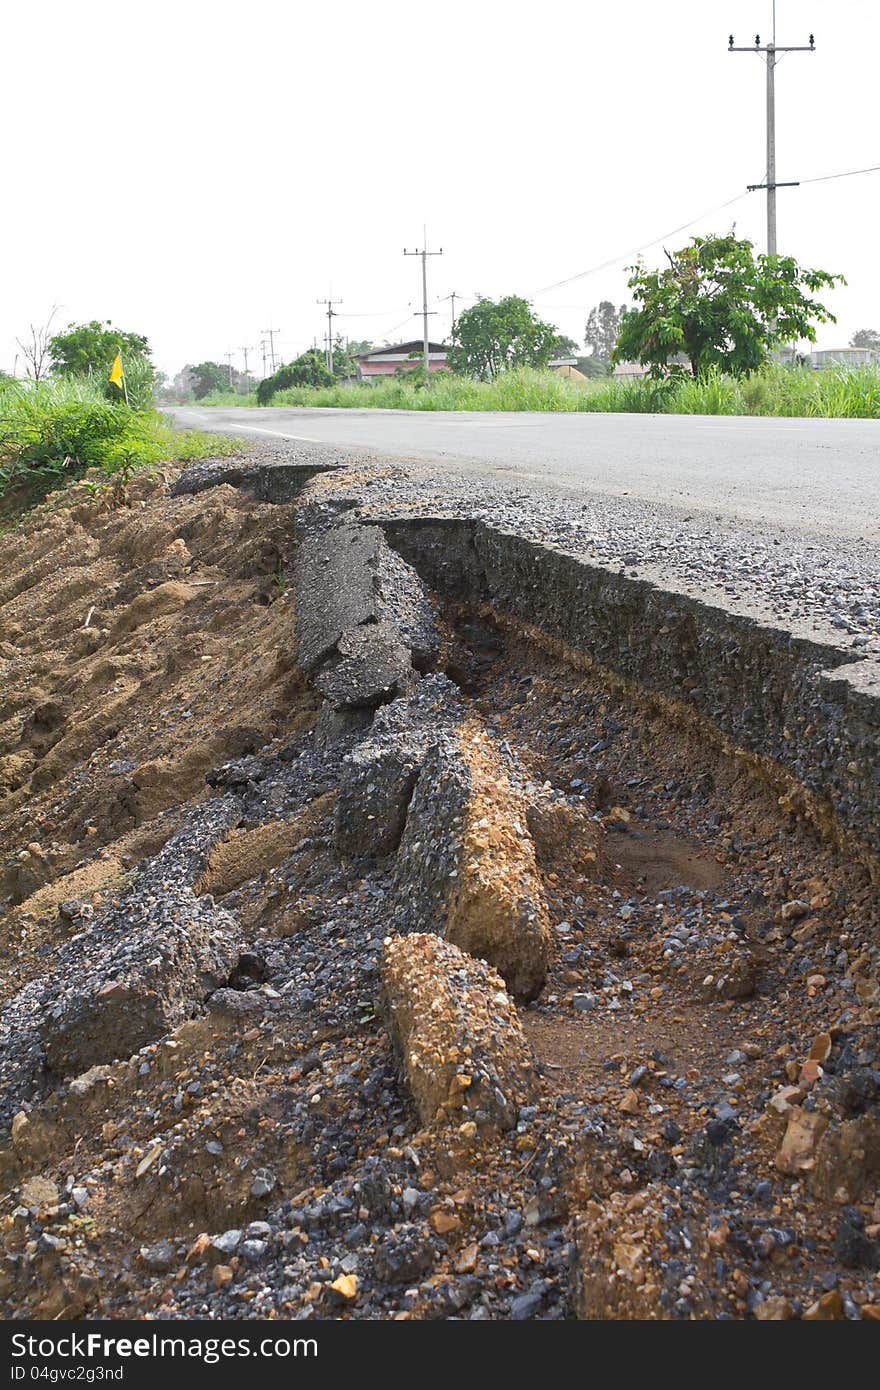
[819,477]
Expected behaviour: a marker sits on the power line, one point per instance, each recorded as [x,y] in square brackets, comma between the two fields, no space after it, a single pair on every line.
[643,246]
[847,174]
[398,325]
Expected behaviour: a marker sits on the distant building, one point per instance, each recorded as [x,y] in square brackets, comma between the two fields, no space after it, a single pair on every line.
[843,357]
[633,371]
[629,371]
[404,357]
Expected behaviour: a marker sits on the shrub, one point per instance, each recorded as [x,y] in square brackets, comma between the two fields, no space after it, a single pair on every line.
[310,369]
[59,428]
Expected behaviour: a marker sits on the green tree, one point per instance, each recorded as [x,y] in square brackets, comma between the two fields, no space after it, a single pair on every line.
[866,338]
[87,349]
[309,369]
[205,378]
[721,306]
[602,328]
[564,347]
[491,337]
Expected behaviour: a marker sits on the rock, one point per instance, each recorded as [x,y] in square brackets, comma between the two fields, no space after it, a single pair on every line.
[775,1309]
[236,1003]
[345,1287]
[224,1245]
[404,1256]
[584,1003]
[847,1163]
[828,1308]
[39,1192]
[852,1246]
[159,1257]
[466,864]
[464,1054]
[793,911]
[264,1182]
[148,1160]
[798,1151]
[525,1306]
[253,1250]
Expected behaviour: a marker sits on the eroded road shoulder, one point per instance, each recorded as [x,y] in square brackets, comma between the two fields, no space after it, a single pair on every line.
[401,920]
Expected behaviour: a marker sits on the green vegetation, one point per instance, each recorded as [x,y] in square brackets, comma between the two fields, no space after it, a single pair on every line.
[721,307]
[227,397]
[57,429]
[88,349]
[775,390]
[492,337]
[309,369]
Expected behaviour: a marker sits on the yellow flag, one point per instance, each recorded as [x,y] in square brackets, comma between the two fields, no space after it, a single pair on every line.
[116,372]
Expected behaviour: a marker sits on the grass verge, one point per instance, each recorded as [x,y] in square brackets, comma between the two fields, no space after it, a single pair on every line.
[56,430]
[847,392]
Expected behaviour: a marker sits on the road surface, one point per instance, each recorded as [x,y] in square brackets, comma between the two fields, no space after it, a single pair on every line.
[819,477]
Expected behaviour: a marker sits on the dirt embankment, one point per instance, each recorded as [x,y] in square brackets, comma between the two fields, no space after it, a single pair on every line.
[139,648]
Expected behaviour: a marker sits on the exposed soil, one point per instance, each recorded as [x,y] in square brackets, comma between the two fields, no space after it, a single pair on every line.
[265,1159]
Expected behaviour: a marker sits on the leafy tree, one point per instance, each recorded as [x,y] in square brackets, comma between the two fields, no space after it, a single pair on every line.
[205,378]
[87,348]
[492,336]
[721,306]
[594,366]
[564,347]
[309,369]
[866,338]
[603,326]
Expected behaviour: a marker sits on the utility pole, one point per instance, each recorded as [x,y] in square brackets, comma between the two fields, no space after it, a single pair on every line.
[270,332]
[263,351]
[228,356]
[772,52]
[425,253]
[330,317]
[454,296]
[245,351]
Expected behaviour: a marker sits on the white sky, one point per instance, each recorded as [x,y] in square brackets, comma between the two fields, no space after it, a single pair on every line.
[201,171]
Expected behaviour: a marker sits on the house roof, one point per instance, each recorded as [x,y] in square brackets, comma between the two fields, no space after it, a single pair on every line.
[416,345]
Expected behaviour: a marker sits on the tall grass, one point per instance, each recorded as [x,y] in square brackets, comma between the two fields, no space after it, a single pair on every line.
[60,428]
[229,398]
[776,390]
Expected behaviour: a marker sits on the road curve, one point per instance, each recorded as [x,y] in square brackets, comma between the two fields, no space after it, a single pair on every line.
[816,477]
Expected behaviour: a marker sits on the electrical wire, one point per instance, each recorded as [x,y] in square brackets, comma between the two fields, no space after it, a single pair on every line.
[847,174]
[643,246]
